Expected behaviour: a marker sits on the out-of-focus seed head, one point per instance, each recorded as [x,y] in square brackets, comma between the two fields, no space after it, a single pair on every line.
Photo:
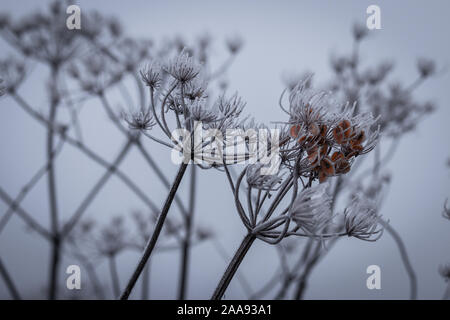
[360,31]
[426,67]
[444,271]
[12,72]
[446,211]
[234,44]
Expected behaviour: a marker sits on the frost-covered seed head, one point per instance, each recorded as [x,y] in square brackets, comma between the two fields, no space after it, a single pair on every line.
[196,88]
[312,208]
[151,75]
[183,67]
[361,220]
[262,182]
[139,120]
[231,107]
[199,111]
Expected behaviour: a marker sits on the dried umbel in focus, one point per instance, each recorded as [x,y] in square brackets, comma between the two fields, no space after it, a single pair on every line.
[320,140]
[331,137]
[361,220]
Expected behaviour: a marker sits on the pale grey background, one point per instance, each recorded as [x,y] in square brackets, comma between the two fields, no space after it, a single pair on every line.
[279,36]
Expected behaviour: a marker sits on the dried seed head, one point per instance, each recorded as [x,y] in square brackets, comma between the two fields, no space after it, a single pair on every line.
[234,44]
[360,31]
[196,88]
[444,271]
[426,67]
[112,237]
[200,112]
[139,120]
[311,210]
[151,75]
[12,72]
[183,67]
[262,182]
[361,220]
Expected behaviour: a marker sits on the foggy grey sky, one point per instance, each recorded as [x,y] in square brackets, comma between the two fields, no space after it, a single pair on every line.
[280,36]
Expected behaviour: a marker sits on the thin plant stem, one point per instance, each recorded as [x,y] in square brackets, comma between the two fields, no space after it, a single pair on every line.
[95,190]
[9,282]
[51,182]
[27,188]
[152,163]
[27,218]
[268,286]
[186,246]
[405,258]
[90,269]
[447,293]
[154,238]
[240,277]
[114,274]
[233,266]
[146,282]
[303,280]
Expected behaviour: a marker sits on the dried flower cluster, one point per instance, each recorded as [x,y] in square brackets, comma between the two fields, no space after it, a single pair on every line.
[320,140]
[331,138]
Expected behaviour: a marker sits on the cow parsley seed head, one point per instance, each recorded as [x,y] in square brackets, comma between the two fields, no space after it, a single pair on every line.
[444,271]
[378,74]
[312,208]
[139,120]
[307,106]
[183,67]
[196,88]
[231,107]
[361,220]
[151,75]
[360,31]
[234,44]
[262,182]
[12,72]
[200,112]
[426,67]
